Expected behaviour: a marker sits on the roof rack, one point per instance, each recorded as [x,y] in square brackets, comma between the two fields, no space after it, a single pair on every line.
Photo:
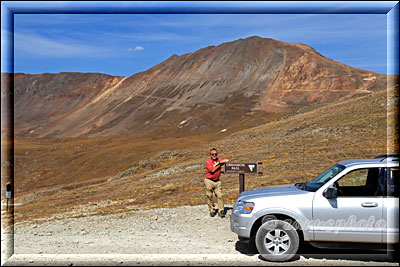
[387,156]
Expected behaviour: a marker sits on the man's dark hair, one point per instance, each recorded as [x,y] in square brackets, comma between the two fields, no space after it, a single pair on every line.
[212,149]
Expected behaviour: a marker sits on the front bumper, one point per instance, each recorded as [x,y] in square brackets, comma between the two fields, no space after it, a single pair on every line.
[240,224]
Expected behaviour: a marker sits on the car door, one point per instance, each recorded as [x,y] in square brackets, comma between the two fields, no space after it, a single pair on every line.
[355,215]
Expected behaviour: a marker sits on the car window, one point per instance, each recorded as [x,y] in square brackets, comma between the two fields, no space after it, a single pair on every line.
[361,182]
[354,178]
[318,182]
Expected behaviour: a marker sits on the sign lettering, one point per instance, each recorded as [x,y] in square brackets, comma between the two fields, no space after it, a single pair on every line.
[239,167]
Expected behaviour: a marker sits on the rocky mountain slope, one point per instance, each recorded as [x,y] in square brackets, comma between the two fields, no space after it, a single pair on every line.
[233,86]
[103,175]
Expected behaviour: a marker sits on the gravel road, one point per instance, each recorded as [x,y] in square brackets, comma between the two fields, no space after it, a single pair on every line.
[180,236]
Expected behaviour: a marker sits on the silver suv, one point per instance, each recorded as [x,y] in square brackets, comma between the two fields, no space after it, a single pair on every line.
[354,204]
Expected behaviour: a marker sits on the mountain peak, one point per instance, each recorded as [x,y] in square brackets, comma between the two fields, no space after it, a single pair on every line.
[235,84]
[254,37]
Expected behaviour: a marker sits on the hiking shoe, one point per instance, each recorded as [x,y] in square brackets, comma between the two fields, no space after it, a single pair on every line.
[221,215]
[212,214]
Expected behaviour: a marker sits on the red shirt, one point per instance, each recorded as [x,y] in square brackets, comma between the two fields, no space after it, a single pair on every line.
[209,166]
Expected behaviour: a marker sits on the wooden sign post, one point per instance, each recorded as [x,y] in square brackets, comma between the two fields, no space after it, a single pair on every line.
[241,169]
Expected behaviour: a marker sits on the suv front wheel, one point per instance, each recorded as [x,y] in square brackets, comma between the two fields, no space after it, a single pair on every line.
[277,240]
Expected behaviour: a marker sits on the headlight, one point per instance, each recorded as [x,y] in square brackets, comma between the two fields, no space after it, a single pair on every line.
[245,207]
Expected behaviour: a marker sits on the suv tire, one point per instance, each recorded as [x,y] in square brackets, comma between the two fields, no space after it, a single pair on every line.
[277,240]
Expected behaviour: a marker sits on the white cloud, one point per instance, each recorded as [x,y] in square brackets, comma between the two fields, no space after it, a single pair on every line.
[137,48]
[43,46]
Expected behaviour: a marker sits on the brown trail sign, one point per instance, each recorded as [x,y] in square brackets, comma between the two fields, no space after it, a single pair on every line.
[241,168]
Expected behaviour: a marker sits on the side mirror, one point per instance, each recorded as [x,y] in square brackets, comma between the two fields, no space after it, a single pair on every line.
[330,192]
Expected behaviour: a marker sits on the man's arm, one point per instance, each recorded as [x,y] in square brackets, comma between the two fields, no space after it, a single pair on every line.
[218,165]
[210,167]
[224,161]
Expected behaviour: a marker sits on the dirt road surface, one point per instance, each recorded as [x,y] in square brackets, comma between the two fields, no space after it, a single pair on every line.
[183,236]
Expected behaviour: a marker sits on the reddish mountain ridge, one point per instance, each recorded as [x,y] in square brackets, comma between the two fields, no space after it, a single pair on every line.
[231,86]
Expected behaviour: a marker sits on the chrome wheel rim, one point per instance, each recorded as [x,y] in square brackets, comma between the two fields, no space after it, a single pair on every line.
[277,242]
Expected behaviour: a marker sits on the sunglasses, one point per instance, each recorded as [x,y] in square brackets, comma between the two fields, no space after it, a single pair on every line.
[214,154]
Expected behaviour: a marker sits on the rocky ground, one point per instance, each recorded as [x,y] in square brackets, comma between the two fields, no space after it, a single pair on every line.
[177,236]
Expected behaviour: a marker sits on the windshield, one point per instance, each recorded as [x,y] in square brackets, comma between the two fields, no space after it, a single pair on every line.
[316,184]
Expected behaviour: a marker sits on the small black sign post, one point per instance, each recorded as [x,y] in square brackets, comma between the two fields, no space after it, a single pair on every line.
[8,192]
[241,169]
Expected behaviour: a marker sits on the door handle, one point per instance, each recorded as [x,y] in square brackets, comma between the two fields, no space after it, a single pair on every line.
[369,204]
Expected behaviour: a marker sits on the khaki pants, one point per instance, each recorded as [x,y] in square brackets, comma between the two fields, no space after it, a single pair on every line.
[214,188]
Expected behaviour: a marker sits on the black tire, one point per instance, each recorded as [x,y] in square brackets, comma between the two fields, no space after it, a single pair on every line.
[277,240]
[252,240]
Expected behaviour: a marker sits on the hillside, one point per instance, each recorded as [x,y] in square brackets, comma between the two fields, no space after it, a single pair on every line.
[293,149]
[233,86]
[121,143]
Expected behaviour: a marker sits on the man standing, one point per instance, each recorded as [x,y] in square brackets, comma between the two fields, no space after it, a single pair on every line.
[213,184]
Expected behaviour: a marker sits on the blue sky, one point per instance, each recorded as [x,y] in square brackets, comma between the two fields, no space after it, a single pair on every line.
[124,44]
